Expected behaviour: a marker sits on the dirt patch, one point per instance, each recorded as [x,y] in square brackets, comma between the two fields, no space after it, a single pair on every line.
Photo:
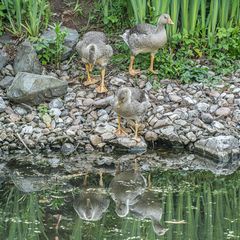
[72,15]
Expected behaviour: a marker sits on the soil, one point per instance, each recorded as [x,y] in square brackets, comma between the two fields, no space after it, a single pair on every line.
[63,11]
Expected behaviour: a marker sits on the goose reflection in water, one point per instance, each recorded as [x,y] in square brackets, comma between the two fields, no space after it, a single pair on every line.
[148,207]
[92,202]
[125,189]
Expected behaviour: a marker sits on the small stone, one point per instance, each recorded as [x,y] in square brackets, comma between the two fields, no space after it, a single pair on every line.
[3,58]
[47,119]
[56,103]
[202,107]
[55,112]
[2,105]
[148,86]
[27,130]
[236,90]
[95,140]
[20,111]
[181,122]
[188,100]
[162,123]
[236,116]
[218,125]
[160,109]
[104,128]
[152,120]
[6,82]
[191,136]
[88,102]
[175,98]
[67,148]
[151,136]
[117,81]
[223,111]
[207,118]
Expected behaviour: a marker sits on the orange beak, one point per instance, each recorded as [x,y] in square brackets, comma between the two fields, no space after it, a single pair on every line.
[170,21]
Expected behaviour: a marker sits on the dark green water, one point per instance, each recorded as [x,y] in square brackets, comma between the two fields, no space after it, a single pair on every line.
[175,203]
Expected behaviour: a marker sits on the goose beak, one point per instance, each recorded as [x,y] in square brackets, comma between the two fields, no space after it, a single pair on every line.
[170,21]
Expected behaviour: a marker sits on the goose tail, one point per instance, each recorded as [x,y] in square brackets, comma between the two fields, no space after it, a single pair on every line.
[125,36]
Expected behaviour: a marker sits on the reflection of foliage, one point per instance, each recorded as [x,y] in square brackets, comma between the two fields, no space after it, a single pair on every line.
[209,205]
[22,217]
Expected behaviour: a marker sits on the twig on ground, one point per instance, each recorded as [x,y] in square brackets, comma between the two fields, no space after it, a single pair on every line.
[24,144]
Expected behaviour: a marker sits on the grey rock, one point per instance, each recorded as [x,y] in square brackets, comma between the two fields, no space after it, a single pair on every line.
[207,118]
[56,103]
[20,111]
[148,86]
[117,81]
[67,148]
[218,125]
[169,133]
[55,112]
[104,128]
[191,136]
[237,101]
[236,116]
[26,59]
[175,98]
[162,123]
[222,148]
[67,51]
[202,107]
[160,109]
[95,140]
[108,136]
[223,111]
[27,130]
[236,90]
[35,89]
[3,58]
[6,82]
[2,105]
[70,40]
[128,144]
[188,100]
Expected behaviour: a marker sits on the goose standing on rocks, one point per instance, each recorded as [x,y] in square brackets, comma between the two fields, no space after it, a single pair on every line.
[94,50]
[146,38]
[132,104]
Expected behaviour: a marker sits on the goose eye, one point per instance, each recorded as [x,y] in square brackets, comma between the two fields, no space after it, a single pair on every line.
[165,17]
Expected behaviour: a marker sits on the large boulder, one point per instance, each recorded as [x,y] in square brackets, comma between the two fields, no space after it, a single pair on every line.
[26,59]
[34,89]
[221,148]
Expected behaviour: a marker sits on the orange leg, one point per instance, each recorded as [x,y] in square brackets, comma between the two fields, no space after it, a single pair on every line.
[151,64]
[132,71]
[120,131]
[101,88]
[90,80]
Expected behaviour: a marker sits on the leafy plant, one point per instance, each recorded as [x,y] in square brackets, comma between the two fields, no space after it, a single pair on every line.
[51,51]
[31,15]
[38,13]
[42,109]
[2,8]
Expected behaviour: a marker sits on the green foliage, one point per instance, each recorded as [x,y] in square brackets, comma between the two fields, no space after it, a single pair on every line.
[42,109]
[29,15]
[2,8]
[52,51]
[38,13]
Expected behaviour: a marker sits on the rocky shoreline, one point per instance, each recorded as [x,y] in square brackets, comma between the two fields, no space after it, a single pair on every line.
[202,118]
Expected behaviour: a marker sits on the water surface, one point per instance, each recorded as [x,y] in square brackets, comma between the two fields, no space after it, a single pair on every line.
[133,203]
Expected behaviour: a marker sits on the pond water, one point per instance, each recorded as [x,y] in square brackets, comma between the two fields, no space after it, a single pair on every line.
[116,203]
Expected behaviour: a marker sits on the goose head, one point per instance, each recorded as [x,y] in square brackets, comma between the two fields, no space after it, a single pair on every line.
[165,19]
